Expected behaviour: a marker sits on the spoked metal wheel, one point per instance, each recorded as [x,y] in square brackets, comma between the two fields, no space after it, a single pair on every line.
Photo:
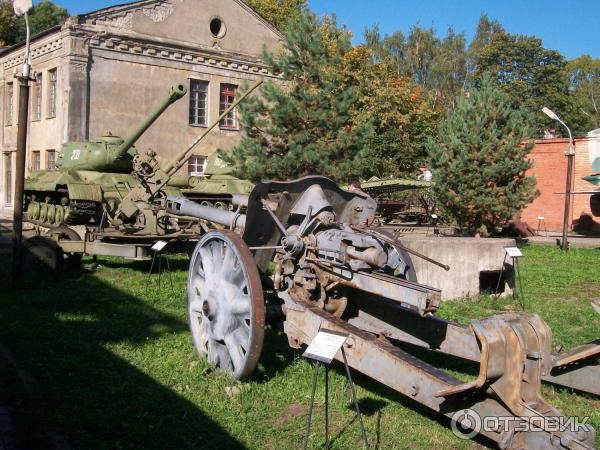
[226,304]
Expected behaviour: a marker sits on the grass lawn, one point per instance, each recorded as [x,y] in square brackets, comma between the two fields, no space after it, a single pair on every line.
[115,368]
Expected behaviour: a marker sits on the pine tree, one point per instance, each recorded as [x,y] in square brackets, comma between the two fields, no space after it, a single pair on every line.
[479,160]
[304,127]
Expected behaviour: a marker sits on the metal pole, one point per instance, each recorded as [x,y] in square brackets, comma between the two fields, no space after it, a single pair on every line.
[17,236]
[570,156]
[501,273]
[355,401]
[326,407]
[311,405]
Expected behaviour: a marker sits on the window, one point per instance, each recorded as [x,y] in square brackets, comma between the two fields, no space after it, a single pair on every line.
[217,27]
[51,93]
[9,103]
[8,178]
[35,161]
[227,97]
[196,165]
[36,114]
[51,159]
[198,102]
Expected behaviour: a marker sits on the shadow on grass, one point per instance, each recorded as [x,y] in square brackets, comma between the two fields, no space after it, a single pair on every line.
[59,331]
[276,354]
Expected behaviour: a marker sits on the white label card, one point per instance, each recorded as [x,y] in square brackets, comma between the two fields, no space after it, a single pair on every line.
[159,245]
[325,345]
[513,252]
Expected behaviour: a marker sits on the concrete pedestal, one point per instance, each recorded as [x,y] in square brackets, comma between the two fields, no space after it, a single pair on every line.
[475,264]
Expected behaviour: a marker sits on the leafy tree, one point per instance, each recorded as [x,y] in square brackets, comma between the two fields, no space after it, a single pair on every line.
[479,162]
[278,12]
[305,127]
[583,78]
[532,75]
[437,65]
[399,113]
[45,15]
[486,31]
[42,16]
[390,49]
[449,69]
[9,33]
[421,49]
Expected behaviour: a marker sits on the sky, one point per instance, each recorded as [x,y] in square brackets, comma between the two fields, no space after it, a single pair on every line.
[570,26]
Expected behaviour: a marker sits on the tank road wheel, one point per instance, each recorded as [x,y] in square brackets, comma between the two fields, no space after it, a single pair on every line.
[225,303]
[59,215]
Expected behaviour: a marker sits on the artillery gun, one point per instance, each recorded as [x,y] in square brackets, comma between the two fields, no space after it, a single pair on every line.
[302,241]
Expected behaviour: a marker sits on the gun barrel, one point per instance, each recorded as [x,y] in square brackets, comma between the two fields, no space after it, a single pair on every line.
[181,206]
[176,92]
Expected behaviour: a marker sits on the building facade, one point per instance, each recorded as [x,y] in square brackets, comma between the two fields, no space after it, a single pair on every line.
[107,70]
[550,170]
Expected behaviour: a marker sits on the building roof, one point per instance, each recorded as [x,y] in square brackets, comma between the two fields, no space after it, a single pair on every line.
[242,3]
[35,37]
[44,33]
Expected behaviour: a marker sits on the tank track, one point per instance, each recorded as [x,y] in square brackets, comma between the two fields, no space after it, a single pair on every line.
[51,214]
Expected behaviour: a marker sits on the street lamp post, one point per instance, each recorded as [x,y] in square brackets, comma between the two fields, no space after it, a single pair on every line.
[21,7]
[564,245]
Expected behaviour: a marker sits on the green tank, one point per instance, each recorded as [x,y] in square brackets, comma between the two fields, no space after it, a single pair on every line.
[92,177]
[217,187]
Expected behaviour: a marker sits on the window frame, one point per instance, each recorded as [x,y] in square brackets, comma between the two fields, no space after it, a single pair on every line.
[192,162]
[224,102]
[194,107]
[10,100]
[8,178]
[36,107]
[52,92]
[36,160]
[53,153]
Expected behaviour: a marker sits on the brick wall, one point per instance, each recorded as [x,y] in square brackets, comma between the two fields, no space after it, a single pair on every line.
[550,170]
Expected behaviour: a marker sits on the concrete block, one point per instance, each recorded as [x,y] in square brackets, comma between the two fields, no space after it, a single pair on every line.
[475,264]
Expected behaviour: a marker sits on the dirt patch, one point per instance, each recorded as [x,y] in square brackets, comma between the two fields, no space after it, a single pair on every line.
[291,411]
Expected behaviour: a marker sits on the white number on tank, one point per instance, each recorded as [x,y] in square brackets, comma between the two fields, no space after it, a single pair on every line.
[75,155]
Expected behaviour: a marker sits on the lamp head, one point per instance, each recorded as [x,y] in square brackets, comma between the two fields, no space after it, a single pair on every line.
[550,113]
[22,6]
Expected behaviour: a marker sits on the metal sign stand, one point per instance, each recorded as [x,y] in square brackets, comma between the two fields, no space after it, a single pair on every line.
[515,254]
[322,350]
[157,250]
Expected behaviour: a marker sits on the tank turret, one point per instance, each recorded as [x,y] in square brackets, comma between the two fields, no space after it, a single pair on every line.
[110,153]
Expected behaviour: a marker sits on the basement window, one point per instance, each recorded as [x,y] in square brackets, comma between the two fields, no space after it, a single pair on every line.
[488,281]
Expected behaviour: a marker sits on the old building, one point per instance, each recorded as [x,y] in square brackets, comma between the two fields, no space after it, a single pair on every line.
[106,70]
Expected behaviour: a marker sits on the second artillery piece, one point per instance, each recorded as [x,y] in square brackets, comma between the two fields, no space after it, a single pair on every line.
[116,193]
[302,243]
[91,177]
[108,184]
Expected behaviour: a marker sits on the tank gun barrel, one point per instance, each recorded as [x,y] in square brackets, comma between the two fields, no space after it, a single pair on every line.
[181,206]
[175,93]
[182,157]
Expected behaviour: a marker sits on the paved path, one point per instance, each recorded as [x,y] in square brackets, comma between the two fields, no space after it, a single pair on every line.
[574,241]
